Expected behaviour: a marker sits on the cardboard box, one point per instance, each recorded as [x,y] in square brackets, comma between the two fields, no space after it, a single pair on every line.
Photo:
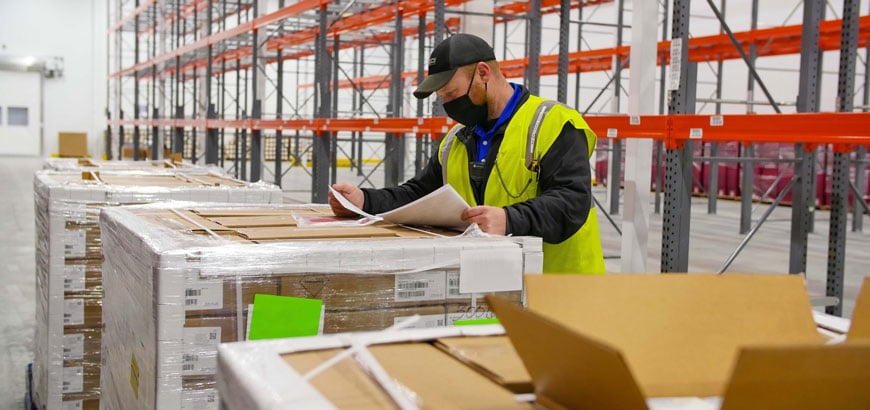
[586,342]
[72,144]
[69,256]
[159,258]
[91,164]
[750,339]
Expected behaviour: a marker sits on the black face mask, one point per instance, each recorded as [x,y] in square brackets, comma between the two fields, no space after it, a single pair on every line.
[465,111]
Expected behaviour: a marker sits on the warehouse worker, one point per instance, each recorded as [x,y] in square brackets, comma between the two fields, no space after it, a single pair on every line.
[520,161]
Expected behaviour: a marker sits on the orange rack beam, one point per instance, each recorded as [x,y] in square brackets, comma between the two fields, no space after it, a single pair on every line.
[769,42]
[842,129]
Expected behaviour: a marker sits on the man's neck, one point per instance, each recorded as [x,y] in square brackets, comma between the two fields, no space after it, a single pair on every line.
[500,94]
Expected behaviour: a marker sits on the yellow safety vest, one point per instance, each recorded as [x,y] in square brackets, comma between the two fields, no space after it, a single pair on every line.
[529,134]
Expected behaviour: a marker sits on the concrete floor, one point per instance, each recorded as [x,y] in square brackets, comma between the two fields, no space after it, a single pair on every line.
[713,238]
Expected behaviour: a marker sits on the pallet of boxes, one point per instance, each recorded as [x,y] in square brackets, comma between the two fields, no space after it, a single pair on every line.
[69,284]
[180,280]
[622,341]
[174,165]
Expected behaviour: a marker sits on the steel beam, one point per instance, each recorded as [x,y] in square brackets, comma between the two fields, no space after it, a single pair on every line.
[533,80]
[136,84]
[678,179]
[615,181]
[564,33]
[279,108]
[257,94]
[321,141]
[747,180]
[394,147]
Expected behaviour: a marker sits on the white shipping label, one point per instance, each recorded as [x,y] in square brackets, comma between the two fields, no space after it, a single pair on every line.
[676,64]
[202,295]
[425,322]
[72,405]
[420,286]
[73,278]
[73,346]
[73,312]
[200,350]
[490,270]
[696,133]
[72,379]
[206,399]
[74,243]
[453,285]
[77,213]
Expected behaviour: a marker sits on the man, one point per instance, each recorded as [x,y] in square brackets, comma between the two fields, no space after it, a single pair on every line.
[520,161]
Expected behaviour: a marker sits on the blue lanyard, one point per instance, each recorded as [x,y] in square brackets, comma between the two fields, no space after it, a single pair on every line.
[483,136]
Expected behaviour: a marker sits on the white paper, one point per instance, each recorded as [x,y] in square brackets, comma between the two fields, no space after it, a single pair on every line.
[490,270]
[442,207]
[74,243]
[425,321]
[200,350]
[72,405]
[199,399]
[203,295]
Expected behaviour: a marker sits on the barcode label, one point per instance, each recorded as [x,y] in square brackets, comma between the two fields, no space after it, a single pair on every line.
[696,133]
[206,399]
[425,322]
[634,120]
[717,120]
[676,64]
[453,286]
[73,346]
[203,295]
[72,379]
[612,132]
[420,286]
[200,350]
[73,278]
[74,243]
[73,312]
[72,405]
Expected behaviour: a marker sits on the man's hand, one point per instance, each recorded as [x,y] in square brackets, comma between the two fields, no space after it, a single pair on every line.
[352,193]
[489,218]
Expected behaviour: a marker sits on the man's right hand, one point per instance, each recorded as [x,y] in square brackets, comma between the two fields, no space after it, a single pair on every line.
[352,193]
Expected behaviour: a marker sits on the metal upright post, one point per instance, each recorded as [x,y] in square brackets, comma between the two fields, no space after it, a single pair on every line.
[394,157]
[360,103]
[320,145]
[136,85]
[840,188]
[108,140]
[419,154]
[333,138]
[256,96]
[659,174]
[678,180]
[579,48]
[279,107]
[802,196]
[564,33]
[614,182]
[156,146]
[713,184]
[236,133]
[747,168]
[178,142]
[533,80]
[211,133]
[861,155]
[121,135]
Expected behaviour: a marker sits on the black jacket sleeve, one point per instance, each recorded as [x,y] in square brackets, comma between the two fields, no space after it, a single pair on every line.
[565,192]
[386,199]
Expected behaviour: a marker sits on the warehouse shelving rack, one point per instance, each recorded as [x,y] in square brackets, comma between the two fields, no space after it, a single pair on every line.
[185,40]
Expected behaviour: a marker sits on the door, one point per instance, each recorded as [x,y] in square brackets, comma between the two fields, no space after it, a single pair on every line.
[20,117]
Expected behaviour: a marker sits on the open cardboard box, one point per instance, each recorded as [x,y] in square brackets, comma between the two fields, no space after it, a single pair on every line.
[606,342]
[616,341]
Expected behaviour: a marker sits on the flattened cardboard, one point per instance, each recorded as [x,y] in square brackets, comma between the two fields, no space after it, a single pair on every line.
[492,356]
[801,377]
[570,370]
[679,333]
[72,144]
[315,233]
[860,327]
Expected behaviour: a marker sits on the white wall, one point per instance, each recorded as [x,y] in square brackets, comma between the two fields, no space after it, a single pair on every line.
[76,31]
[19,89]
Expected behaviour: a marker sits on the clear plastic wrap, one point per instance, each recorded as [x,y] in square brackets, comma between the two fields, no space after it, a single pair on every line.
[69,287]
[180,280]
[87,164]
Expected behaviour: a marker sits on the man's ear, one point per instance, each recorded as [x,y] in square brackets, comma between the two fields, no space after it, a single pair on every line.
[484,71]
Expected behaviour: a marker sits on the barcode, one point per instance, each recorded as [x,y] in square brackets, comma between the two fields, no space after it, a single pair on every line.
[66,350]
[193,292]
[413,285]
[212,335]
[68,247]
[210,398]
[187,367]
[453,286]
[190,358]
[411,294]
[190,302]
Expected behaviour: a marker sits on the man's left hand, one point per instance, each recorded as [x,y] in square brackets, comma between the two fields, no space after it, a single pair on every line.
[489,218]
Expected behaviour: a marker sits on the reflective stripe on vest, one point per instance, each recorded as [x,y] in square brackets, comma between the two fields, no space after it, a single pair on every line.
[445,149]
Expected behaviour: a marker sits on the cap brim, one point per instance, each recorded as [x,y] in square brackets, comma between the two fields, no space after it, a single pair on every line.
[432,83]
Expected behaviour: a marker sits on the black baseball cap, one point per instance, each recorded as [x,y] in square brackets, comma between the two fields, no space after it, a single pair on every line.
[454,52]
